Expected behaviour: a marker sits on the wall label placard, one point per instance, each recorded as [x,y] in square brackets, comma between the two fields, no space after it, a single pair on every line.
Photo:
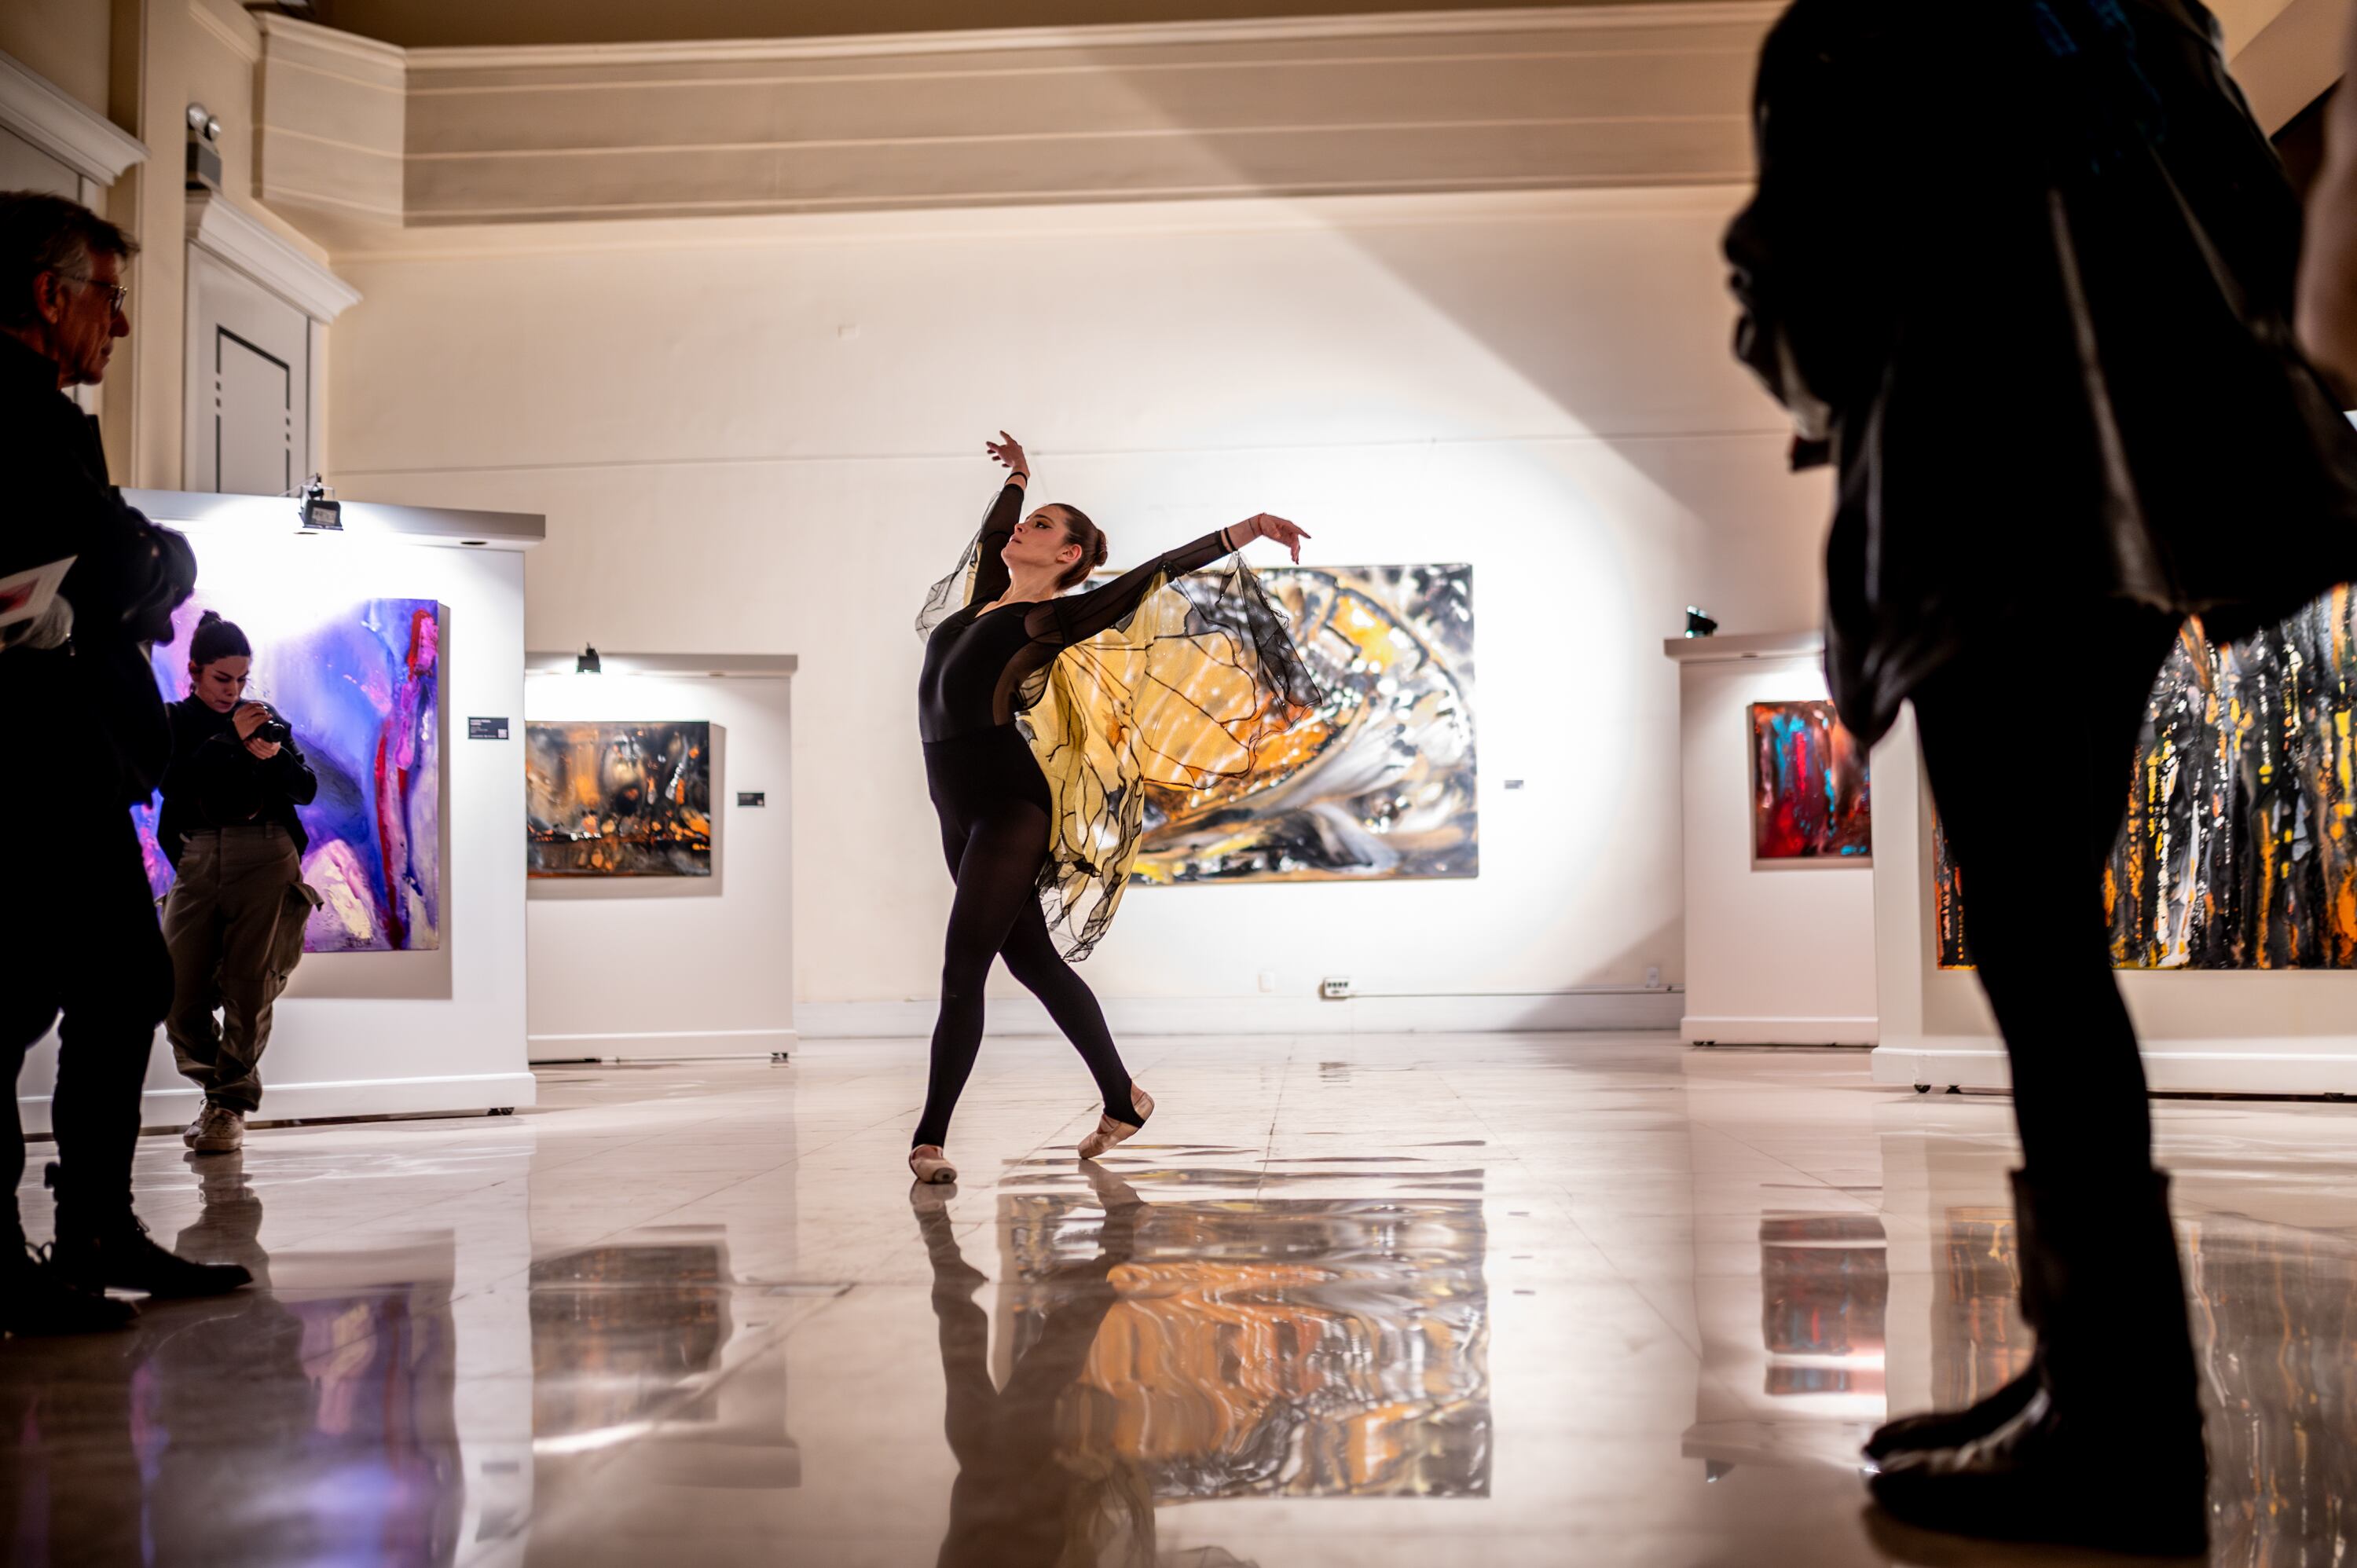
[487,729]
[752,797]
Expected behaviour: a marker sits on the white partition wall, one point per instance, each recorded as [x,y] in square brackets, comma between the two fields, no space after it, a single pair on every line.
[362,1033]
[2252,1032]
[629,968]
[1779,953]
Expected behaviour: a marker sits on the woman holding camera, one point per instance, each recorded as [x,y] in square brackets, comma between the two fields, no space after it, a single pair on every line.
[234,919]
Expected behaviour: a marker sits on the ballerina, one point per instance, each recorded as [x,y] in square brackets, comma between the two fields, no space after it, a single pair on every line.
[1039,818]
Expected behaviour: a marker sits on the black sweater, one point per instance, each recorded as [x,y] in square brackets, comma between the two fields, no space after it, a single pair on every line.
[212,781]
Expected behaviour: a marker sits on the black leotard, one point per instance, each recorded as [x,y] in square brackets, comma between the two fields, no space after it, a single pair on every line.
[976,661]
[994,805]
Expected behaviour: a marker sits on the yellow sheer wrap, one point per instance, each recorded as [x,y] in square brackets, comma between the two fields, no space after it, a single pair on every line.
[1184,697]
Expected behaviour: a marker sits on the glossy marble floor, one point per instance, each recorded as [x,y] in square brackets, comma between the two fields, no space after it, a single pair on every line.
[1489,1300]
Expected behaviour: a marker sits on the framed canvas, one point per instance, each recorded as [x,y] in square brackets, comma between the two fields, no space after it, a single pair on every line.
[360,681]
[618,799]
[1811,802]
[2238,843]
[1380,782]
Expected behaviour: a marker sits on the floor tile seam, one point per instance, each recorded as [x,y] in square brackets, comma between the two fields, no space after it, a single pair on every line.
[657,1417]
[1735,1138]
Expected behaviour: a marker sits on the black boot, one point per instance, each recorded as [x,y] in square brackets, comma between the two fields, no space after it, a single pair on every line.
[2107,1451]
[34,1299]
[1950,1428]
[101,1246]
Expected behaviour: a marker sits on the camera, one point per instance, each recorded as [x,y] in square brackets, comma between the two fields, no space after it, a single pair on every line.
[273,730]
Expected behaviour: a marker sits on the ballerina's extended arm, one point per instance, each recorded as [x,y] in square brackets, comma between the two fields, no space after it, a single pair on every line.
[1076,618]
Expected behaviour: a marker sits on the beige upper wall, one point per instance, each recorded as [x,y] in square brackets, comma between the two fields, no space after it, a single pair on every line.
[64,41]
[433,23]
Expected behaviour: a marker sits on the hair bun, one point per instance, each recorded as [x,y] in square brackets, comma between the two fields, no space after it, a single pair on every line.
[209,617]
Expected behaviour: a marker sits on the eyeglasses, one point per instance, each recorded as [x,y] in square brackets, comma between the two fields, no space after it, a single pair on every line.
[119,295]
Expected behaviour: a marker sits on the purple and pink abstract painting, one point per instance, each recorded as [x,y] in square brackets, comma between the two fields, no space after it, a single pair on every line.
[360,682]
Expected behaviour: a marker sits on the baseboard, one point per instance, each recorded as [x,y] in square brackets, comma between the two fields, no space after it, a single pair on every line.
[1706,1029]
[672,1045]
[1549,1013]
[172,1109]
[2264,1066]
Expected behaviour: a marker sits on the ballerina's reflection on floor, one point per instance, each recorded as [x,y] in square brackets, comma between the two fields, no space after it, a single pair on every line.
[1024,1495]
[1205,1349]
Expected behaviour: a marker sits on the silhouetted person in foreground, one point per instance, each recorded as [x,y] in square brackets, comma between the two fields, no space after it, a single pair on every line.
[85,737]
[2023,273]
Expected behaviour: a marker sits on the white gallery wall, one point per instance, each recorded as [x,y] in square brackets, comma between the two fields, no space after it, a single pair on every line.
[765,436]
[634,967]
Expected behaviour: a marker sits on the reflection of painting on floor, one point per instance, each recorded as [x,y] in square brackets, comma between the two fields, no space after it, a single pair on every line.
[1276,1347]
[1377,784]
[359,682]
[619,799]
[2240,848]
[1825,1286]
[2274,1332]
[1810,800]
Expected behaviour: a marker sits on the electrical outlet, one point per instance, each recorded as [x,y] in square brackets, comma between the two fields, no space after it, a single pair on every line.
[1268,980]
[1653,977]
[1335,988]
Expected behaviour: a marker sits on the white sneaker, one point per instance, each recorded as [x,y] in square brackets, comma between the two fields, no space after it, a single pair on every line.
[1110,1132]
[217,1132]
[190,1134]
[929,1166]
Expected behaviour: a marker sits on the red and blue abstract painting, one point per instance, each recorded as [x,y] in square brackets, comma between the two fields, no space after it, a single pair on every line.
[360,681]
[1810,798]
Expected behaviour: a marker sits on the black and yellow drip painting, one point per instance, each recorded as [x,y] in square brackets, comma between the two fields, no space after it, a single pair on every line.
[618,799]
[1378,782]
[2240,848]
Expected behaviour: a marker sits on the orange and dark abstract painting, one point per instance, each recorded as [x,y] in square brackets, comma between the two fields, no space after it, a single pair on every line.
[2240,846]
[618,799]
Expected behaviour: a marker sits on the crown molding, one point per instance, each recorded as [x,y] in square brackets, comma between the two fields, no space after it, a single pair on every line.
[234,30]
[84,140]
[216,225]
[328,41]
[1119,35]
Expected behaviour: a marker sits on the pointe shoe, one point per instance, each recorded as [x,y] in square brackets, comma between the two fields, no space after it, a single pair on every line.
[929,1166]
[1110,1132]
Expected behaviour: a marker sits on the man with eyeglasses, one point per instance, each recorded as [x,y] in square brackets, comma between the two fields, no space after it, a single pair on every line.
[86,737]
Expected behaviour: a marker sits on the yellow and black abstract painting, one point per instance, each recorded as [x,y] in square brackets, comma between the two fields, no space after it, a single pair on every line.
[1378,782]
[619,799]
[2240,847]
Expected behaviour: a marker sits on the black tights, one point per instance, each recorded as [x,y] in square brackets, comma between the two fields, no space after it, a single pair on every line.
[2031,845]
[994,855]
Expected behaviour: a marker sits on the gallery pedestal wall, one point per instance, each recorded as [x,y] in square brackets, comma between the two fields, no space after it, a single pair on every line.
[435,1029]
[2203,1031]
[638,967]
[1778,952]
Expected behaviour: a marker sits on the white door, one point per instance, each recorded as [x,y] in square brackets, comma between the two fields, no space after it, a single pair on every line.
[249,385]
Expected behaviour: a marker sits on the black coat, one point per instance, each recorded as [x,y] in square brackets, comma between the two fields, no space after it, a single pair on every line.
[2025,271]
[214,782]
[93,704]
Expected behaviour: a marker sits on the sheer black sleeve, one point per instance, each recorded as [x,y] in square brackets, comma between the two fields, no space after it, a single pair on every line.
[997,528]
[1080,617]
